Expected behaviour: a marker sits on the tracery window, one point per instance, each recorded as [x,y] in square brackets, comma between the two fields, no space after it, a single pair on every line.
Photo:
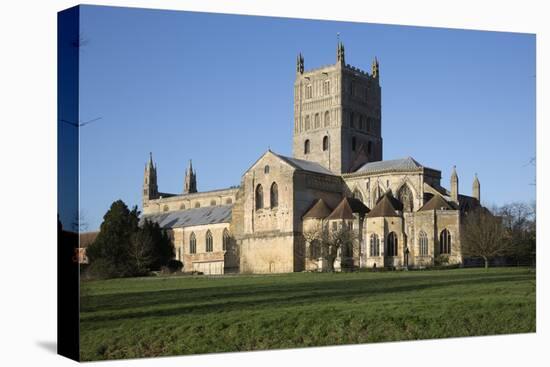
[209,242]
[445,242]
[391,249]
[423,243]
[192,243]
[374,245]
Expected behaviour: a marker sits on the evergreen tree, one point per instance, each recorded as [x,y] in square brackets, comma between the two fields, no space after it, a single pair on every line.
[110,253]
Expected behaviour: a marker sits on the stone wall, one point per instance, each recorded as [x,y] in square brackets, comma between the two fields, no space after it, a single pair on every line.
[189,201]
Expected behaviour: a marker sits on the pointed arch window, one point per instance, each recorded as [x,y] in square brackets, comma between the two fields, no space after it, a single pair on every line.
[259,197]
[353,143]
[317,121]
[391,249]
[325,143]
[306,147]
[274,195]
[405,196]
[369,148]
[226,238]
[307,123]
[423,243]
[209,242]
[374,245]
[192,243]
[445,242]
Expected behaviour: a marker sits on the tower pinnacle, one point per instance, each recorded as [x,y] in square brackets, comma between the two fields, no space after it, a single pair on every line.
[190,185]
[454,185]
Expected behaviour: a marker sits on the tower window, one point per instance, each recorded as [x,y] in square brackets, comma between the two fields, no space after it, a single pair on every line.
[317,121]
[266,169]
[326,87]
[325,143]
[351,119]
[307,123]
[306,147]
[353,143]
[309,93]
[369,147]
[327,119]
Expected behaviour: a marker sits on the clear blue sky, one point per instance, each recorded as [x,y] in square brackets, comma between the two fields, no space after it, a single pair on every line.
[219,89]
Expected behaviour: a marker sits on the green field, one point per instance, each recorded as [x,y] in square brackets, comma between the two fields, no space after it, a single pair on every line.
[159,316]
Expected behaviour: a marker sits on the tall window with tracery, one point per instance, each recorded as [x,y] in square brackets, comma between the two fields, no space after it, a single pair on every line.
[226,239]
[374,245]
[192,243]
[445,242]
[391,249]
[423,243]
[209,242]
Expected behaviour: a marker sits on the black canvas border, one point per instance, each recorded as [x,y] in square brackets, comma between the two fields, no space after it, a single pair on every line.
[68,38]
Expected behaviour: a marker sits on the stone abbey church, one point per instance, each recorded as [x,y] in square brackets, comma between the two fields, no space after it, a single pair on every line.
[401,214]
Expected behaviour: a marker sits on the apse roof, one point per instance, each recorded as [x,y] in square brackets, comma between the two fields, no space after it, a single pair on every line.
[402,164]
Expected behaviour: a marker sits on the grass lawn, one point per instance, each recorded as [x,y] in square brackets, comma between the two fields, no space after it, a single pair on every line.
[160,316]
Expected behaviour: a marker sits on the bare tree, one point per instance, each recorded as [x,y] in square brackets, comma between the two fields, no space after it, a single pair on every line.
[333,241]
[80,223]
[519,220]
[484,236]
[140,251]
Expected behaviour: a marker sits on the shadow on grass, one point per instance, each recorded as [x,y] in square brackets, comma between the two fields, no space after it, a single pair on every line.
[204,301]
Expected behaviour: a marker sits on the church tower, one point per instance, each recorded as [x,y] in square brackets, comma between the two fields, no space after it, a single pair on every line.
[150,188]
[337,114]
[190,185]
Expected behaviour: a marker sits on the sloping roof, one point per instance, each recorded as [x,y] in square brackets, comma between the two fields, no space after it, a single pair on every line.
[319,210]
[436,203]
[305,165]
[393,165]
[346,208]
[87,238]
[192,217]
[357,206]
[384,208]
